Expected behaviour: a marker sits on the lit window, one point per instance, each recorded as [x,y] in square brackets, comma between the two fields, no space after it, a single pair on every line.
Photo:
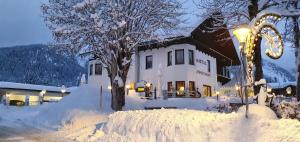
[91,69]
[191,57]
[170,86]
[191,86]
[149,60]
[179,56]
[180,87]
[207,90]
[208,65]
[169,58]
[98,69]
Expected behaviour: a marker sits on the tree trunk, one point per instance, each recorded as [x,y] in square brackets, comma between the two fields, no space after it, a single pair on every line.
[258,65]
[253,11]
[297,43]
[116,91]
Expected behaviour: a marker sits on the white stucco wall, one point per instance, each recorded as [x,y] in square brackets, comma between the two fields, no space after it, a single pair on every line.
[184,72]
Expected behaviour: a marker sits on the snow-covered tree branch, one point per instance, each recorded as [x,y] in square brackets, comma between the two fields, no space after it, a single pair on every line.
[110,30]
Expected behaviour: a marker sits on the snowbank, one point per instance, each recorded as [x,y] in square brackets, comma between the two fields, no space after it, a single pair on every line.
[82,101]
[169,125]
[258,112]
[184,103]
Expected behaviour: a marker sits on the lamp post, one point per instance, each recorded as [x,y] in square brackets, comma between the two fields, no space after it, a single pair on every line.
[242,33]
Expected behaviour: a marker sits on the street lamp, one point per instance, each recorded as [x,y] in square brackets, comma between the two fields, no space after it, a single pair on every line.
[242,33]
[289,90]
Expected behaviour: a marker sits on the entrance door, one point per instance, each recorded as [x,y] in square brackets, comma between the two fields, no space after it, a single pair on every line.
[207,90]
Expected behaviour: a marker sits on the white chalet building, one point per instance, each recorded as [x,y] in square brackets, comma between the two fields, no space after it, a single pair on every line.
[184,63]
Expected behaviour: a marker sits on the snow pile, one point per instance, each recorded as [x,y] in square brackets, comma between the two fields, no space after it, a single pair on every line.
[184,103]
[258,111]
[168,125]
[82,126]
[82,100]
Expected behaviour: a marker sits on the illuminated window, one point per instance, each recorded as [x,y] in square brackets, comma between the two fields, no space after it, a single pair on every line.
[91,69]
[170,86]
[169,58]
[179,56]
[180,87]
[191,57]
[191,86]
[98,69]
[207,90]
[149,60]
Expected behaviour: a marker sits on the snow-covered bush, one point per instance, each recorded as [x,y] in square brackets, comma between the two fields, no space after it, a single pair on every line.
[288,110]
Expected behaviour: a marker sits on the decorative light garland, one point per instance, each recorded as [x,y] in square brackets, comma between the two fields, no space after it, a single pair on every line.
[263,26]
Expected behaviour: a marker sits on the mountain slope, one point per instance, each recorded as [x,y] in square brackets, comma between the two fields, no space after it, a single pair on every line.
[275,73]
[39,64]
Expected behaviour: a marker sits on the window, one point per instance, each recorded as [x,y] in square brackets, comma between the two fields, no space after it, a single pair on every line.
[149,60]
[170,86]
[192,89]
[191,57]
[98,69]
[191,86]
[207,90]
[169,58]
[208,65]
[91,69]
[180,87]
[179,56]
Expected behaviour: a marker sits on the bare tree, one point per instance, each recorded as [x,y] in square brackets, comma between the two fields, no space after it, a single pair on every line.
[292,34]
[110,30]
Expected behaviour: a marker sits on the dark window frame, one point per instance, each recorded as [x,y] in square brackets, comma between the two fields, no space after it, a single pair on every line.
[147,65]
[98,72]
[91,69]
[208,66]
[169,60]
[191,62]
[176,61]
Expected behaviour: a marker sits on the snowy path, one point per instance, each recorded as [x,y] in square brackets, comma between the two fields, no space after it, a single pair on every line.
[22,133]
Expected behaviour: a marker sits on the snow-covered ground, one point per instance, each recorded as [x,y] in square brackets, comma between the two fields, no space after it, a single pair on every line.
[79,117]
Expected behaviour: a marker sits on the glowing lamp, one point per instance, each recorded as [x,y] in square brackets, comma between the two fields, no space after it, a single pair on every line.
[63,89]
[43,92]
[109,87]
[237,88]
[241,33]
[148,84]
[289,90]
[218,93]
[269,89]
[127,86]
[181,89]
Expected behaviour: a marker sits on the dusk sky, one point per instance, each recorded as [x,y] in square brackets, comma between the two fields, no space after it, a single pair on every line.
[21,23]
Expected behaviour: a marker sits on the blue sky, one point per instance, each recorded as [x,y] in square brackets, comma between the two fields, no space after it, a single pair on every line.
[21,23]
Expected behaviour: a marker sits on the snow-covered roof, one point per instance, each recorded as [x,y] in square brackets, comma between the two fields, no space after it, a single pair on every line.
[21,86]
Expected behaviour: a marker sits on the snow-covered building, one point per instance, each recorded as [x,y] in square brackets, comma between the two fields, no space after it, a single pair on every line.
[197,61]
[30,94]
